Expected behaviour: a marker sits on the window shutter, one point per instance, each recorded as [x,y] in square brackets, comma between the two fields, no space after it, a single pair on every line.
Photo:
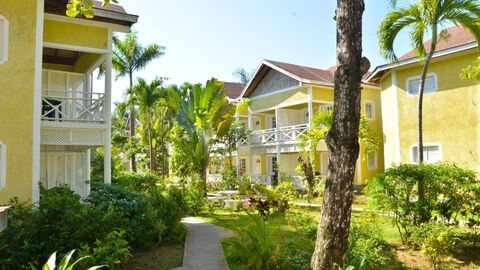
[430,85]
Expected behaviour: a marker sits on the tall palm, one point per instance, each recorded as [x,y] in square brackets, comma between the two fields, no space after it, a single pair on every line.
[205,115]
[421,17]
[242,75]
[146,97]
[130,56]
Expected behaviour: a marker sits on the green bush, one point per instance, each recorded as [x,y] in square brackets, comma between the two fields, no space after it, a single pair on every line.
[254,246]
[448,191]
[366,246]
[112,251]
[280,196]
[64,263]
[138,182]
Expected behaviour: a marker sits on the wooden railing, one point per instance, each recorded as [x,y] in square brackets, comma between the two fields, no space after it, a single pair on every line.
[284,134]
[72,106]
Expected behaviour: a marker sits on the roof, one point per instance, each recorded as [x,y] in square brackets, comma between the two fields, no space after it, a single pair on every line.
[232,89]
[113,13]
[303,74]
[457,36]
[4,208]
[458,39]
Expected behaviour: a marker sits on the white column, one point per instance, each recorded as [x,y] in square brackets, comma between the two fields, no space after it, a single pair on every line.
[310,106]
[250,156]
[277,130]
[107,174]
[87,169]
[237,118]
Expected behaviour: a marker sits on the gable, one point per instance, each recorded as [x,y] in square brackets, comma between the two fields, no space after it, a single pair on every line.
[272,82]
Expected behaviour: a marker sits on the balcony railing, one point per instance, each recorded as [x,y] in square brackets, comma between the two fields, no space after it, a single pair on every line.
[285,134]
[72,106]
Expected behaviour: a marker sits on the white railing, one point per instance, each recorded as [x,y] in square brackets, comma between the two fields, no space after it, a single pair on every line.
[285,134]
[244,141]
[262,179]
[72,106]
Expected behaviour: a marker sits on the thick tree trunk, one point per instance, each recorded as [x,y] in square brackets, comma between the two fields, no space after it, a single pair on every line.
[421,184]
[133,161]
[342,139]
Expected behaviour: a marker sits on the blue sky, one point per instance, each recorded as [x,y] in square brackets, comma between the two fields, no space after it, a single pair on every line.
[212,38]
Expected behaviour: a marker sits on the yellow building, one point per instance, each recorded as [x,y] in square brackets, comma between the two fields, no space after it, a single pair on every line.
[451,109]
[282,101]
[51,115]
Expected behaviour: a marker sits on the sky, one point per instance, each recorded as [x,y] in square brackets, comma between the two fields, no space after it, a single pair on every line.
[212,38]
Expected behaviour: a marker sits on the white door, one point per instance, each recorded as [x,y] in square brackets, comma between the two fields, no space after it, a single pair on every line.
[272,165]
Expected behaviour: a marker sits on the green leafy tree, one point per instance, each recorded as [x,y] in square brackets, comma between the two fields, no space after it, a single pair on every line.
[206,116]
[229,142]
[146,96]
[421,17]
[242,75]
[130,56]
[79,8]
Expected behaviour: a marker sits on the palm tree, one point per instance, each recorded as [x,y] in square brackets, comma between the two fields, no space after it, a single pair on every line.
[205,115]
[321,124]
[242,75]
[146,97]
[129,56]
[421,17]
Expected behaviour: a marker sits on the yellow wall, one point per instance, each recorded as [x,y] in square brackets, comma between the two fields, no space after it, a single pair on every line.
[85,61]
[451,114]
[16,102]
[75,34]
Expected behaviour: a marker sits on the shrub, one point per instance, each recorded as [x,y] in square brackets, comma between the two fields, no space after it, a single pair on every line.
[365,243]
[112,251]
[448,189]
[138,182]
[64,263]
[194,197]
[255,246]
[280,196]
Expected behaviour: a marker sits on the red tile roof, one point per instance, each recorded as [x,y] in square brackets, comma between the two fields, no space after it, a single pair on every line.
[233,90]
[458,36]
[303,72]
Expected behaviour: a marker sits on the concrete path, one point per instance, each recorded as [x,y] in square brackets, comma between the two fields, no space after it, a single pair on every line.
[203,250]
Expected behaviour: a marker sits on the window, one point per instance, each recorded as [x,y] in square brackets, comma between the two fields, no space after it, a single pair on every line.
[431,153]
[3,165]
[243,166]
[372,162]
[3,40]
[413,84]
[370,110]
[273,122]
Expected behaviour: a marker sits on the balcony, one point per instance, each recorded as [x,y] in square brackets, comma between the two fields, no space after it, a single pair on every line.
[287,134]
[72,106]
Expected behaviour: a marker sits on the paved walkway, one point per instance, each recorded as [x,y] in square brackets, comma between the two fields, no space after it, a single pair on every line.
[203,250]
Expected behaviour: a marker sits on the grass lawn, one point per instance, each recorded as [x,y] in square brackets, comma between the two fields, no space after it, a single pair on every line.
[359,201]
[164,257]
[404,257]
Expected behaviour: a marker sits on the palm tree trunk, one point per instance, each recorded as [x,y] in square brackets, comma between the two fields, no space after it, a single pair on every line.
[133,161]
[342,139]
[162,143]
[150,144]
[421,185]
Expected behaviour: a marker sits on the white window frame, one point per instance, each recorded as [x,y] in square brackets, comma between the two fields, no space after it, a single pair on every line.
[270,119]
[375,159]
[409,92]
[372,103]
[3,165]
[412,147]
[3,39]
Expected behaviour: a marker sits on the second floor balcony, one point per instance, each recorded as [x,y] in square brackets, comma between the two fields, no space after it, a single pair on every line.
[286,134]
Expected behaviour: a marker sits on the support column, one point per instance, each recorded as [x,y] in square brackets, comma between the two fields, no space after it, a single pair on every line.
[250,156]
[277,131]
[237,118]
[310,106]
[87,169]
[107,174]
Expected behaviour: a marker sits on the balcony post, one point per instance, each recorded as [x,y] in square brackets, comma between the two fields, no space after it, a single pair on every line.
[310,106]
[107,174]
[250,153]
[277,132]
[237,118]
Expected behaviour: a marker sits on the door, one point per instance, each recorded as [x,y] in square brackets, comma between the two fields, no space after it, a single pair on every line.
[273,169]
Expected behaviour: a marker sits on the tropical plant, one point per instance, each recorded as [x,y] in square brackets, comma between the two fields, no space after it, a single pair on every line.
[342,138]
[130,56]
[234,135]
[64,263]
[255,246]
[421,17]
[242,75]
[206,116]
[77,8]
[146,97]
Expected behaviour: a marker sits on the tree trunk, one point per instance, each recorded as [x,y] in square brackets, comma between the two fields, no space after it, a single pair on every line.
[204,178]
[421,186]
[342,139]
[150,144]
[133,162]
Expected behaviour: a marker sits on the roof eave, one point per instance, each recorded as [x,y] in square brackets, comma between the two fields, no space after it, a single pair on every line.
[130,18]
